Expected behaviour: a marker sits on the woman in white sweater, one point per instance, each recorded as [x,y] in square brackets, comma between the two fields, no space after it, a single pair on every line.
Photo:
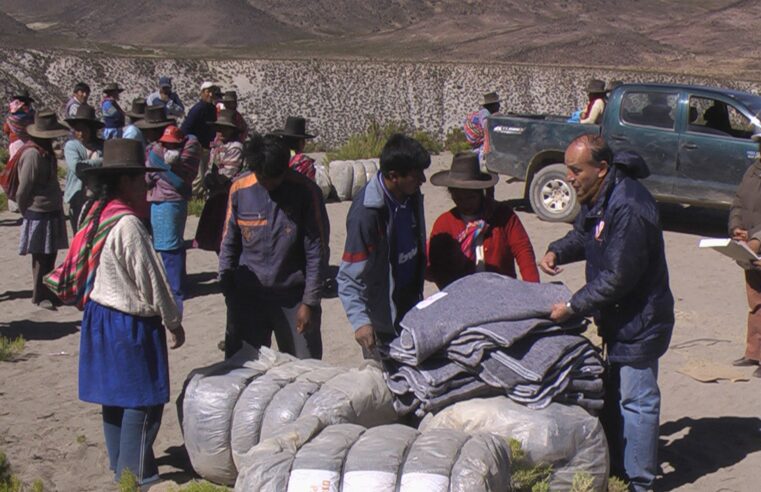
[123,362]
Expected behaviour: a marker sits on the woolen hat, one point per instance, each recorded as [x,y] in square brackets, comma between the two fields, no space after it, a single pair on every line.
[465,173]
[155,117]
[230,96]
[121,155]
[224,118]
[138,109]
[596,86]
[47,126]
[112,87]
[23,95]
[295,126]
[86,114]
[490,98]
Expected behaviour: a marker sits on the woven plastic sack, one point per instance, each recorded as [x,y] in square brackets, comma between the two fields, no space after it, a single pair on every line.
[342,178]
[322,179]
[371,168]
[360,178]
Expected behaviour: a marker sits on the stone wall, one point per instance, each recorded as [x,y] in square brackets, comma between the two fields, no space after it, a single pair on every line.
[339,97]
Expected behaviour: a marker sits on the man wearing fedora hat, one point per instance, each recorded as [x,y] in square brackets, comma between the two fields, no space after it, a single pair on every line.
[113,115]
[197,123]
[168,194]
[230,102]
[592,114]
[478,234]
[83,150]
[295,136]
[153,123]
[166,97]
[383,266]
[135,114]
[43,231]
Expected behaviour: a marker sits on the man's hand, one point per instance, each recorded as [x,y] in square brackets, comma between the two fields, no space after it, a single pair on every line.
[303,318]
[177,338]
[365,337]
[560,312]
[549,264]
[739,234]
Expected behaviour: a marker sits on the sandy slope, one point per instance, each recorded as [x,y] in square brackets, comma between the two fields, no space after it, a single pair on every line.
[710,432]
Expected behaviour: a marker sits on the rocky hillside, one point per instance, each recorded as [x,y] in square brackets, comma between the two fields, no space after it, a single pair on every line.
[339,97]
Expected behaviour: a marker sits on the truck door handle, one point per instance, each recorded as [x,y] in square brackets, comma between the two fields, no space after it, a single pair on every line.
[620,138]
[690,146]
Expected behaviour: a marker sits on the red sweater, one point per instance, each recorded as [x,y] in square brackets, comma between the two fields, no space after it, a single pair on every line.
[505,243]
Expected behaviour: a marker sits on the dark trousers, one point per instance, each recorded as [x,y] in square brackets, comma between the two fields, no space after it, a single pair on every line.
[753,336]
[253,320]
[174,264]
[130,433]
[42,264]
[76,203]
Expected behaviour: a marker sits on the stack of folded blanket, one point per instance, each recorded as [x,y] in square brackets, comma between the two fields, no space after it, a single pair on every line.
[487,334]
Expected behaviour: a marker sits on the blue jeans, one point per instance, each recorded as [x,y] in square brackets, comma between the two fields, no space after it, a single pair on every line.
[130,433]
[632,421]
[174,264]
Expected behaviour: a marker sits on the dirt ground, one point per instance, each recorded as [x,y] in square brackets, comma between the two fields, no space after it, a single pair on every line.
[710,433]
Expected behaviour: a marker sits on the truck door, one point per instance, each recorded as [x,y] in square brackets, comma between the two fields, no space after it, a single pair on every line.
[715,150]
[645,123]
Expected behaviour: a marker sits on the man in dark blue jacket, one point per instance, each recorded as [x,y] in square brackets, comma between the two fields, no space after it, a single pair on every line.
[618,233]
[199,122]
[274,254]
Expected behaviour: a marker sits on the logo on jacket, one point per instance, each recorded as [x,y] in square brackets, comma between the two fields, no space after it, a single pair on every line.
[408,256]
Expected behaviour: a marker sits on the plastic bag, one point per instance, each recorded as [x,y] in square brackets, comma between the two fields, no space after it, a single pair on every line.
[566,437]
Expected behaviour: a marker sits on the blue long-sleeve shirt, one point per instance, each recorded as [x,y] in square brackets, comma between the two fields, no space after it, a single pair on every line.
[279,237]
[196,123]
[76,154]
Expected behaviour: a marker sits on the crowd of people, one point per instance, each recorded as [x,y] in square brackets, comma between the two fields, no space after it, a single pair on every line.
[130,175]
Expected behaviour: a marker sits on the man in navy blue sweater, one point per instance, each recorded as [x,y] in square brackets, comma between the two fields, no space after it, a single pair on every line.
[198,123]
[618,233]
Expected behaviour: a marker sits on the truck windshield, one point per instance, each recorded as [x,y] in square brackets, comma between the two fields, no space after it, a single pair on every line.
[753,103]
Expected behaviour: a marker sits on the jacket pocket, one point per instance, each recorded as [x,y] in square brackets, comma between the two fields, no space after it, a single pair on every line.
[253,227]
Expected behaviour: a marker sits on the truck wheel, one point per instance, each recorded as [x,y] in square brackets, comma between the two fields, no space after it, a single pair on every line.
[551,197]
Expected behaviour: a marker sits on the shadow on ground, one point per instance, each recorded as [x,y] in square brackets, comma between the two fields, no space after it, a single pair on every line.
[39,330]
[177,458]
[12,295]
[201,284]
[705,446]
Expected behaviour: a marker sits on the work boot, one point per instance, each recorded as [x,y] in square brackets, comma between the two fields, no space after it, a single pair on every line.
[744,362]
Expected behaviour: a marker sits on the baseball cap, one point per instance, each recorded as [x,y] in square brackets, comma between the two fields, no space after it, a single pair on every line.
[165,82]
[208,85]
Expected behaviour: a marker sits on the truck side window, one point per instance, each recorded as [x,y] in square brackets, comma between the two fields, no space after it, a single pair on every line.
[715,117]
[656,109]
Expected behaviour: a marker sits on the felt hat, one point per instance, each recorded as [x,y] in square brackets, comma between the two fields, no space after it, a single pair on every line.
[596,86]
[23,95]
[155,117]
[224,118]
[172,134]
[138,109]
[112,87]
[121,155]
[47,126]
[295,126]
[490,98]
[230,96]
[612,85]
[86,114]
[465,173]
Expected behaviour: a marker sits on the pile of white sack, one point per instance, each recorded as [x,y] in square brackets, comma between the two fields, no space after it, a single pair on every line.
[308,456]
[227,408]
[345,177]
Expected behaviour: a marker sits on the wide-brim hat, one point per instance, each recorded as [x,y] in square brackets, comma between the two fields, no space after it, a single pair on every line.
[121,155]
[490,98]
[112,87]
[596,86]
[47,126]
[155,117]
[612,85]
[230,96]
[295,126]
[465,173]
[23,95]
[85,114]
[225,118]
[138,109]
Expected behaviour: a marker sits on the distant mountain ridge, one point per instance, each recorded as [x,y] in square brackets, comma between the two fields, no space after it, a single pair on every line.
[706,37]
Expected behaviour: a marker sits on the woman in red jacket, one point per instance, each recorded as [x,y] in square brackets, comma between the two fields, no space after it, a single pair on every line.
[478,234]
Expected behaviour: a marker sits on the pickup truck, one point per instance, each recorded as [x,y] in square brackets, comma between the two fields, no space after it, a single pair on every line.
[695,140]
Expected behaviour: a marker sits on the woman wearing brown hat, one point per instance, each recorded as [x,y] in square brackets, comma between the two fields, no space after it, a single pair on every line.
[43,231]
[123,362]
[478,234]
[592,114]
[295,137]
[83,150]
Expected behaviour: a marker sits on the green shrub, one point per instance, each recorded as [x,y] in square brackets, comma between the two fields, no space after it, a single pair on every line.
[582,482]
[62,172]
[3,202]
[203,486]
[10,349]
[195,206]
[455,141]
[315,146]
[528,477]
[369,144]
[128,482]
[615,484]
[11,483]
[4,156]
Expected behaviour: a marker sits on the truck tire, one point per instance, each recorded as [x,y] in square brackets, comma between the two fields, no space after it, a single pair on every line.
[552,198]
